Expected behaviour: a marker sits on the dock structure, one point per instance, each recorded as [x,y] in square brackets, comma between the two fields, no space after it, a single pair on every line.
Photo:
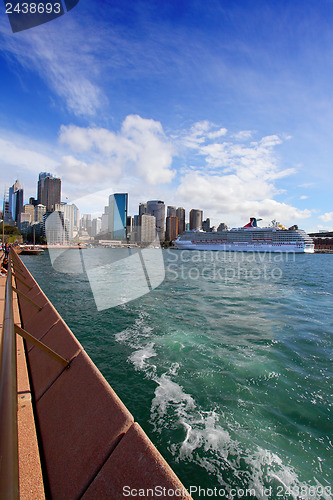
[74,437]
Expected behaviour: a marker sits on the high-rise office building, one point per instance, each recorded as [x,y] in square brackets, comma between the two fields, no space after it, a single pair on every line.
[15,199]
[40,210]
[180,212]
[171,211]
[147,228]
[85,224]
[69,214]
[142,208]
[96,226]
[172,228]
[157,209]
[49,190]
[5,209]
[105,220]
[56,228]
[29,209]
[196,219]
[118,216]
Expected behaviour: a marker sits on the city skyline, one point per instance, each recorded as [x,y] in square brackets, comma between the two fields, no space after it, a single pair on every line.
[221,107]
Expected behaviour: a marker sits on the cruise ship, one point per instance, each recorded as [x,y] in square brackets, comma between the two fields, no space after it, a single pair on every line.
[249,238]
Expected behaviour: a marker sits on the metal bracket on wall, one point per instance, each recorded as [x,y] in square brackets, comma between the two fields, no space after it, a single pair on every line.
[26,298]
[30,338]
[21,280]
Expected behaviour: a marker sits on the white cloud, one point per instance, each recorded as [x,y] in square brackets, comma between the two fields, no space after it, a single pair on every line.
[303,197]
[327,217]
[70,71]
[237,179]
[231,199]
[140,148]
[243,135]
[22,157]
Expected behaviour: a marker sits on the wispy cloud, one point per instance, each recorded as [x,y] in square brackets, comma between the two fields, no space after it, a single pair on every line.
[63,55]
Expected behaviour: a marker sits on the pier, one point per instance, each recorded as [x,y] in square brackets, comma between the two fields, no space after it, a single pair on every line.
[65,434]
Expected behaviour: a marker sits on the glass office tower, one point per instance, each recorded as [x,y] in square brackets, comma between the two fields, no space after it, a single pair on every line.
[118,216]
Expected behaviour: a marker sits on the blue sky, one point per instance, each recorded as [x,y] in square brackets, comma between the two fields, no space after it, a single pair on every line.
[220,105]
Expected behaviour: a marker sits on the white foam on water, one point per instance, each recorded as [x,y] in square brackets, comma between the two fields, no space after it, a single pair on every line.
[208,440]
[168,395]
[139,357]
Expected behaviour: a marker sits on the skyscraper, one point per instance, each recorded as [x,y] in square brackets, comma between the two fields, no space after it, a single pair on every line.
[15,200]
[196,219]
[49,190]
[29,209]
[157,209]
[142,208]
[69,214]
[147,228]
[171,211]
[180,212]
[40,210]
[172,228]
[118,216]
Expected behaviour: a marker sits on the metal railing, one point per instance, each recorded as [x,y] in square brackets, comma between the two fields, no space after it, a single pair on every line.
[9,468]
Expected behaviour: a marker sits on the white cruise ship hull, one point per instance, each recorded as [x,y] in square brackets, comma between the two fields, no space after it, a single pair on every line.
[246,247]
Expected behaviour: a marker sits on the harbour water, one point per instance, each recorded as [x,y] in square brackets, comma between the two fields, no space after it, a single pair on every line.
[227,366]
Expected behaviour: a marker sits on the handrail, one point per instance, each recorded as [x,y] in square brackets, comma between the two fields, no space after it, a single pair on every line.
[9,473]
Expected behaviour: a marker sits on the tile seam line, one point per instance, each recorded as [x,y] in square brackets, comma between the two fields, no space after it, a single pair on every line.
[107,457]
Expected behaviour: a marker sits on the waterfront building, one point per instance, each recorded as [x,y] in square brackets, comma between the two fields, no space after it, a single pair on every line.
[147,228]
[29,209]
[56,228]
[69,214]
[206,226]
[25,217]
[142,208]
[85,224]
[25,222]
[76,212]
[15,200]
[104,223]
[171,211]
[40,210]
[172,227]
[105,220]
[180,213]
[135,232]
[196,219]
[49,190]
[96,226]
[118,216]
[5,211]
[157,209]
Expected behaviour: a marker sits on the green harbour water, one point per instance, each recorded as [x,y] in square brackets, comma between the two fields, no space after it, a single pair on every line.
[227,365]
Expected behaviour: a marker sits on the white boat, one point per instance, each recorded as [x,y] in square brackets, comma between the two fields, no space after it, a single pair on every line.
[249,238]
